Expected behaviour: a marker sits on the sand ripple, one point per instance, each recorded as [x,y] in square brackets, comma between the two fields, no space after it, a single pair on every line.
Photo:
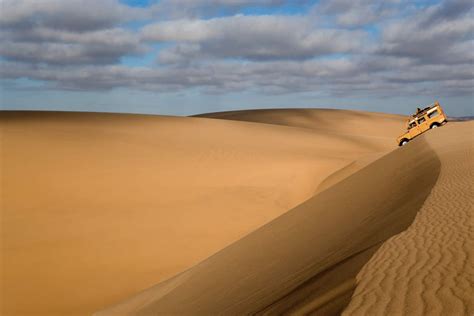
[429,268]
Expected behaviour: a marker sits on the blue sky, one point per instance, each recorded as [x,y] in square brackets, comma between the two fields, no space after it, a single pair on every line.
[182,57]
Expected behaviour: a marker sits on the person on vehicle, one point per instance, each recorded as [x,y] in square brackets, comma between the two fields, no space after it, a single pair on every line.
[418,111]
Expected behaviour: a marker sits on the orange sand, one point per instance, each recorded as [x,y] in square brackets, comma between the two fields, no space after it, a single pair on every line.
[96,207]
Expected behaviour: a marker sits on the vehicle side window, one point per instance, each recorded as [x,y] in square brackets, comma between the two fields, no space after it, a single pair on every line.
[421,120]
[433,114]
[412,124]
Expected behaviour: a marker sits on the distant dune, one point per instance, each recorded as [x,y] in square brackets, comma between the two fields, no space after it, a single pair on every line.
[97,207]
[345,122]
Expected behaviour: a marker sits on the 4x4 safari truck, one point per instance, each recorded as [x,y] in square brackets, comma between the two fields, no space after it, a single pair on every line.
[424,119]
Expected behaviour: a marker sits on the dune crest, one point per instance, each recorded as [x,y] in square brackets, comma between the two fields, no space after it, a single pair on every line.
[429,268]
[358,123]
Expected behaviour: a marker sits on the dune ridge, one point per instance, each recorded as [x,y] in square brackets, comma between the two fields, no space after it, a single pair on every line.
[305,260]
[428,269]
[360,123]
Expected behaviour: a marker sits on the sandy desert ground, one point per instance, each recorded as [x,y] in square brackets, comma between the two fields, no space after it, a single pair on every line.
[267,212]
[433,260]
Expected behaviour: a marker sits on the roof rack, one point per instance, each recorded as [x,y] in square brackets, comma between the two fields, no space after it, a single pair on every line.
[423,111]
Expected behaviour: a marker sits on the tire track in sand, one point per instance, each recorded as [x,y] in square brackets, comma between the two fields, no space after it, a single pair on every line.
[429,268]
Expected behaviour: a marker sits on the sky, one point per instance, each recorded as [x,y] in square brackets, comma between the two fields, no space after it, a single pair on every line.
[184,57]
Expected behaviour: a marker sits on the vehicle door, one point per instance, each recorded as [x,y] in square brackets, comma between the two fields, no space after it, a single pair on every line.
[413,129]
[422,123]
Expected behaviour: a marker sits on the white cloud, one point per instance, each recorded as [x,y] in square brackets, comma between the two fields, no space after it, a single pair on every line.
[440,34]
[66,32]
[335,77]
[75,15]
[356,13]
[261,37]
[79,45]
[175,9]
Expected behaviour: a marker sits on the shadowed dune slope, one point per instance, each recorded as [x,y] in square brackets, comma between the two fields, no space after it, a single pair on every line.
[306,260]
[97,207]
[357,123]
[429,268]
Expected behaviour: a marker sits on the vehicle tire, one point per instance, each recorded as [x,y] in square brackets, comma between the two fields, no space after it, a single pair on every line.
[434,126]
[403,143]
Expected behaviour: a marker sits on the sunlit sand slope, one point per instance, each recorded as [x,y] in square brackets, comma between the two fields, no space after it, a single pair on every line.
[306,260]
[97,207]
[373,130]
[429,268]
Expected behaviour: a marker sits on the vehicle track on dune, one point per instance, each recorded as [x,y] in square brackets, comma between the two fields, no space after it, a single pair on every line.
[429,268]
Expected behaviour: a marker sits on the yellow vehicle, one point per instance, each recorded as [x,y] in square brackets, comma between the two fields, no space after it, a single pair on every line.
[424,119]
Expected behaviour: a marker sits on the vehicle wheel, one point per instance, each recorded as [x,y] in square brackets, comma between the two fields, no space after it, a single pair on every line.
[404,143]
[434,126]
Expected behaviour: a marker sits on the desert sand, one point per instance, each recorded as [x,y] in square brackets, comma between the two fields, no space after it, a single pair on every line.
[429,268]
[98,207]
[306,260]
[262,212]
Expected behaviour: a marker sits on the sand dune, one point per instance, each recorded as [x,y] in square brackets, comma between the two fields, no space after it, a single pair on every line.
[359,126]
[428,269]
[329,120]
[287,206]
[97,207]
[306,260]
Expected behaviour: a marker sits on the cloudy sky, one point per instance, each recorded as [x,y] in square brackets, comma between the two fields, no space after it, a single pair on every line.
[185,57]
